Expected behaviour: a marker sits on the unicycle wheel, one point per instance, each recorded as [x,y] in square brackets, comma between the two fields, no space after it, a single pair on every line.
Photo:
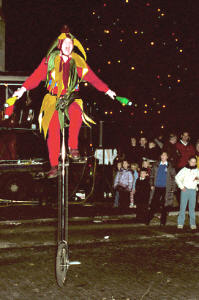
[62,263]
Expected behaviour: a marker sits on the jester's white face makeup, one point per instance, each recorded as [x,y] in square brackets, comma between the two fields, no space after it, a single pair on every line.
[67,47]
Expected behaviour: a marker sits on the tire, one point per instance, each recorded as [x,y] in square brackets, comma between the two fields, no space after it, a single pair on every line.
[62,263]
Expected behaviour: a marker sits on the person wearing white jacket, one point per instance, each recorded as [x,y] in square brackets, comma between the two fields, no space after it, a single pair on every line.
[187,180]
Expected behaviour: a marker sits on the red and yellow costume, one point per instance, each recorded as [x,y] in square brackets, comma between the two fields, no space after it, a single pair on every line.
[50,122]
[62,79]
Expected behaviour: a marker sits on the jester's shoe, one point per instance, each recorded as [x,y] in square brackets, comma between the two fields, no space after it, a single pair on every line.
[74,154]
[53,173]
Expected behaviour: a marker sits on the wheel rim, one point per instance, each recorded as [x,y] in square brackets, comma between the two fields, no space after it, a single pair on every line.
[62,263]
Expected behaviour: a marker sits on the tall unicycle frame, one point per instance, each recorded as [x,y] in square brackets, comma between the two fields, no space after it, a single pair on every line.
[62,258]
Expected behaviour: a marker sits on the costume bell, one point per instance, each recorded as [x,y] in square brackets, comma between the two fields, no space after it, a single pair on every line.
[63,70]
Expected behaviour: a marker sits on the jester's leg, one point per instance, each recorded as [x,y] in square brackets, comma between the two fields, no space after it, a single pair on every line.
[75,115]
[53,143]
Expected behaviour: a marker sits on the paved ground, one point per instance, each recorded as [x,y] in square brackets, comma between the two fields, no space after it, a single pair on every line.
[119,260]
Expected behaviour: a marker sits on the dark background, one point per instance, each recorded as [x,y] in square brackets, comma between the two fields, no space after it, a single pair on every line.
[164,82]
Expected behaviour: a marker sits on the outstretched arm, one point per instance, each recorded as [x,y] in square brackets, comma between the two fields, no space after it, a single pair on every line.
[31,82]
[34,79]
[95,81]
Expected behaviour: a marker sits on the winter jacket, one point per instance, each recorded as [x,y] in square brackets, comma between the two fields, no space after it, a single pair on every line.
[142,191]
[124,179]
[170,184]
[153,153]
[186,178]
[131,154]
[142,153]
[171,150]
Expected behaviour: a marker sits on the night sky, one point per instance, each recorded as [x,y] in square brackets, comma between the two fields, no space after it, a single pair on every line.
[144,50]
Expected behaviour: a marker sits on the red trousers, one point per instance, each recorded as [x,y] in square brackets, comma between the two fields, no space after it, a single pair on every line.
[53,140]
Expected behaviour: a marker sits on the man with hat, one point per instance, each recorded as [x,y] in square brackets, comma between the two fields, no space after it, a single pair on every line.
[63,69]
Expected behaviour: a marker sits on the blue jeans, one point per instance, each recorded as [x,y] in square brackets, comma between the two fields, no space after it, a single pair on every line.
[188,196]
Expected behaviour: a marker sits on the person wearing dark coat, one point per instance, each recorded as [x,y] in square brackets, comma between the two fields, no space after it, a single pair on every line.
[142,195]
[131,152]
[162,181]
[153,151]
[171,149]
[142,150]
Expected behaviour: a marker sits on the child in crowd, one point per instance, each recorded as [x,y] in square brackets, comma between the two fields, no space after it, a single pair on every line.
[142,195]
[123,183]
[146,165]
[118,169]
[134,170]
[134,167]
[187,180]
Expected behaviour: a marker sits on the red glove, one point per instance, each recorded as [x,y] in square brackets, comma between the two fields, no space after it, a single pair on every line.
[8,111]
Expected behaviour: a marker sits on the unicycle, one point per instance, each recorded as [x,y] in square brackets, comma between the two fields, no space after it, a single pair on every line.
[62,258]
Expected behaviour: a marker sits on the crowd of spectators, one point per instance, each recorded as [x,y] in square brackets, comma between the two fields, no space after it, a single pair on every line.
[145,177]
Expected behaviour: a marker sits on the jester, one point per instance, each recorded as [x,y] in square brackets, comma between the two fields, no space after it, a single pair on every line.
[62,69]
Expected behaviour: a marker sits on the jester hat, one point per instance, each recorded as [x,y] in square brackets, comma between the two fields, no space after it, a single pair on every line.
[65,33]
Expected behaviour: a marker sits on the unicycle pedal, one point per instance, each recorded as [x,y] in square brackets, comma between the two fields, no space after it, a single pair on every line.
[74,156]
[80,160]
